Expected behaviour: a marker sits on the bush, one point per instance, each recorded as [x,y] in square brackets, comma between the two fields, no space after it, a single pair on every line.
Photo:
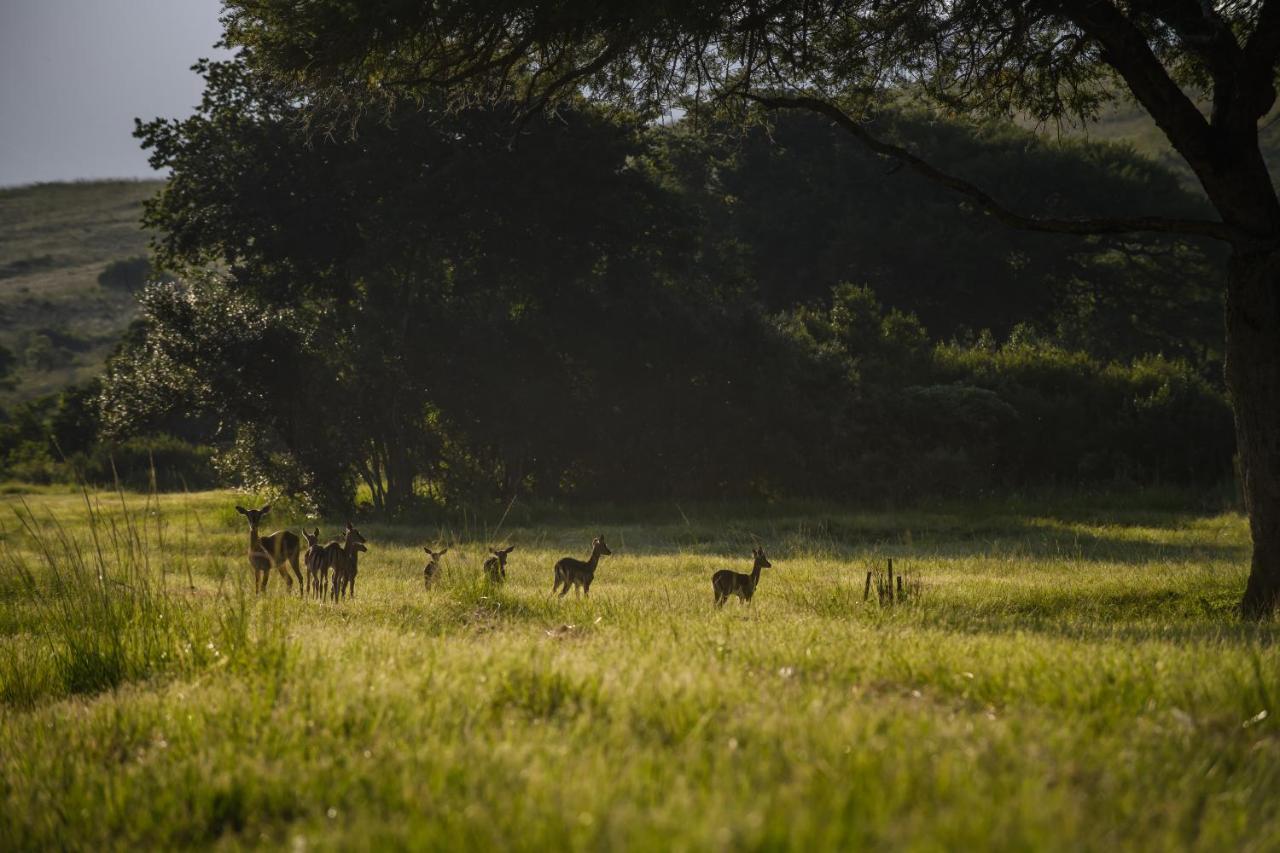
[130,274]
[178,465]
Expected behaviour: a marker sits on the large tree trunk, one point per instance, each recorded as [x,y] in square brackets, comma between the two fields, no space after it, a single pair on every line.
[1253,379]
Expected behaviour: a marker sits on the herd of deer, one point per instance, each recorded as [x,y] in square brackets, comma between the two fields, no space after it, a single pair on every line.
[331,568]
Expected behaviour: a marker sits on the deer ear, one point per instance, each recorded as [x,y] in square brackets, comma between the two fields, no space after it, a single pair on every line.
[350,526]
[512,548]
[442,553]
[241,510]
[266,508]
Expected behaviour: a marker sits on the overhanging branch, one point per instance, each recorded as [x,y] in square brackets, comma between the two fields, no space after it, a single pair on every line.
[1091,226]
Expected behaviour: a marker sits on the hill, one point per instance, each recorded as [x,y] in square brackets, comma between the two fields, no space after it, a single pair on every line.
[1125,121]
[55,240]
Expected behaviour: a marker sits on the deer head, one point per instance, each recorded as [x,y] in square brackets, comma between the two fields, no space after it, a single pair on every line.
[355,542]
[254,515]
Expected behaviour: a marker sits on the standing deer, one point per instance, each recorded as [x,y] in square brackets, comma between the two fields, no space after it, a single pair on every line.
[726,582]
[344,558]
[574,572]
[433,566]
[267,552]
[316,559]
[495,565]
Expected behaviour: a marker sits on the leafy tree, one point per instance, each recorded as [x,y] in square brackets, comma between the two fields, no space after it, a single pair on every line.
[420,303]
[1049,59]
[807,208]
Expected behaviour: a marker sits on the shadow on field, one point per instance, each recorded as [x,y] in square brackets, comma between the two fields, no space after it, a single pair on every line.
[852,539]
[1223,629]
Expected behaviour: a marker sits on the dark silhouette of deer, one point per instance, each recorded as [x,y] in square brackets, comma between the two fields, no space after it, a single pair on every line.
[273,551]
[495,565]
[727,583]
[344,558]
[433,566]
[573,572]
[316,561]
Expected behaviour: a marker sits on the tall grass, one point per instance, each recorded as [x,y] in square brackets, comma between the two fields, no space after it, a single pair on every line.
[1064,681]
[109,603]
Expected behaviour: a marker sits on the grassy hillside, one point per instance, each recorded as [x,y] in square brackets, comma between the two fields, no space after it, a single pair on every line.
[1069,679]
[1127,122]
[54,241]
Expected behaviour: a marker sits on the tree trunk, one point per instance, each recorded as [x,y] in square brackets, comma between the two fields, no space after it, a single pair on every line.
[1253,379]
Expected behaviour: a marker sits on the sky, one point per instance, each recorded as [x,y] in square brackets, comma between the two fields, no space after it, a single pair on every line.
[75,73]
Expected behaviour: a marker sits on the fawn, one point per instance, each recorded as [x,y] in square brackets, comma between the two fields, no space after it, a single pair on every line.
[433,566]
[726,582]
[571,572]
[495,565]
[316,560]
[345,561]
[266,552]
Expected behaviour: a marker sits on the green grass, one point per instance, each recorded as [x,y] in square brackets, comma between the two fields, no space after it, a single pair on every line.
[54,241]
[1068,680]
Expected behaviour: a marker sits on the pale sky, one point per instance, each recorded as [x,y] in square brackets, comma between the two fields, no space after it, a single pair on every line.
[75,73]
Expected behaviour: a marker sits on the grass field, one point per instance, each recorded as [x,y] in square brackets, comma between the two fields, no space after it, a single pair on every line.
[1069,678]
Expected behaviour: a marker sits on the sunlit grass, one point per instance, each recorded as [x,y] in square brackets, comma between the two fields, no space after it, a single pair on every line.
[1066,680]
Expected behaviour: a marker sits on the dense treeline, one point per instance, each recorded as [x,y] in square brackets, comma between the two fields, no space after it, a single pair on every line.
[442,306]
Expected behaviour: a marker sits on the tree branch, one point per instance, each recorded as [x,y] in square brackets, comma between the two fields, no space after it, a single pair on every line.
[1126,50]
[1123,225]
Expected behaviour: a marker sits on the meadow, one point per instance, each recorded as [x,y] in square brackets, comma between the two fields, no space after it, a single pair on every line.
[1069,677]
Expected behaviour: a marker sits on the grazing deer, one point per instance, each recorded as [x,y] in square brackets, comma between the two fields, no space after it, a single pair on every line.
[316,560]
[495,565]
[573,572]
[345,561]
[267,552]
[433,566]
[726,583]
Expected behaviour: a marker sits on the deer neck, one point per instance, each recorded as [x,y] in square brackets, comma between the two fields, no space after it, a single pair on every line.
[595,558]
[255,542]
[755,574]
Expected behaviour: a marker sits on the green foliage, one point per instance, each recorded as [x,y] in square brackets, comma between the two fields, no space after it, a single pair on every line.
[435,313]
[801,207]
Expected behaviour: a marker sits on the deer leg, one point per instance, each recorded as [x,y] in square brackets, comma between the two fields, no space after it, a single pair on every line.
[293,561]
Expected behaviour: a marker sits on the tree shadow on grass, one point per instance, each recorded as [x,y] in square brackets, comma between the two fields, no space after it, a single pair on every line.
[1177,616]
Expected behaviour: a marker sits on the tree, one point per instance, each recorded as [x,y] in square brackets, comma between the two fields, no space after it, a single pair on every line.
[1053,60]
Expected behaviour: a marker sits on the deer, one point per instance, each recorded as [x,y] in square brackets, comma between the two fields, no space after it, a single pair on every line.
[316,559]
[726,582]
[573,572]
[273,551]
[433,566]
[495,565]
[344,558]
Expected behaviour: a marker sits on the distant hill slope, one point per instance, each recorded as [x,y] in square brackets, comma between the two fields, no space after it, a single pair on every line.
[1127,122]
[55,239]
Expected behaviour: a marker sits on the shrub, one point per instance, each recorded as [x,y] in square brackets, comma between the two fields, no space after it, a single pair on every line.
[130,274]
